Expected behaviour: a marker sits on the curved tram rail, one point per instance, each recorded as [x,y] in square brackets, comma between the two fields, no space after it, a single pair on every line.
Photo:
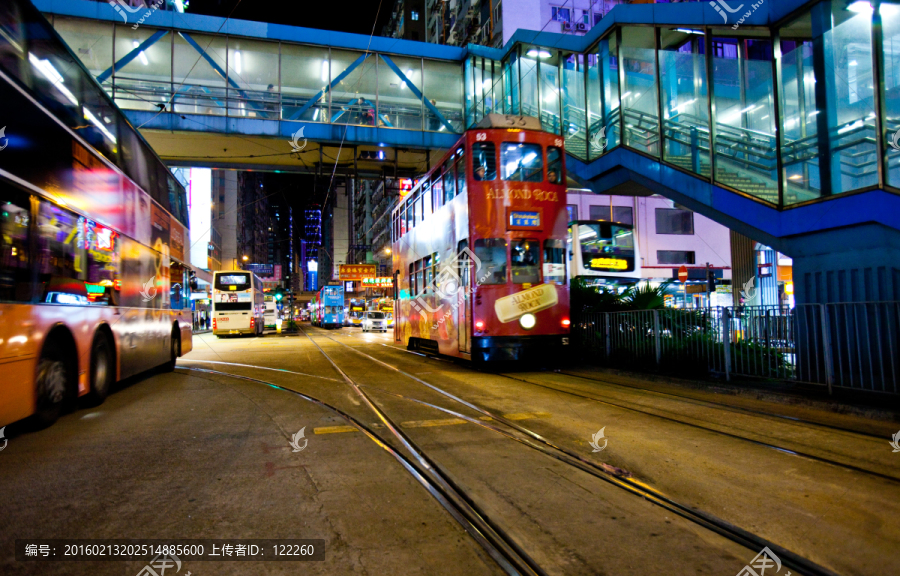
[615,476]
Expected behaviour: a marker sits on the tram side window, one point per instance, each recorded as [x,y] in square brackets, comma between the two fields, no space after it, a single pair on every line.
[460,174]
[425,205]
[492,253]
[437,188]
[554,165]
[554,261]
[420,278]
[525,262]
[484,161]
[449,183]
[520,162]
[428,273]
[412,280]
[15,272]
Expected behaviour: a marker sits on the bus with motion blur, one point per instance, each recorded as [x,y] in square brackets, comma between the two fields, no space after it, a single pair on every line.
[479,248]
[603,254]
[238,304]
[328,310]
[94,282]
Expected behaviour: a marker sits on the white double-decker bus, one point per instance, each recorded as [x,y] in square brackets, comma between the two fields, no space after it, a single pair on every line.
[238,303]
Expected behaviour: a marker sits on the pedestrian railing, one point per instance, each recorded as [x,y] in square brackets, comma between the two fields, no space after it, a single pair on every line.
[846,345]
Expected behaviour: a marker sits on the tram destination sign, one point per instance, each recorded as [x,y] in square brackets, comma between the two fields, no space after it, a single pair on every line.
[525,219]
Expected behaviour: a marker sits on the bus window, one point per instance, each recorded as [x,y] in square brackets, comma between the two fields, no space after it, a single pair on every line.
[484,162]
[554,261]
[554,165]
[525,260]
[233,281]
[492,253]
[460,175]
[521,162]
[15,273]
[449,181]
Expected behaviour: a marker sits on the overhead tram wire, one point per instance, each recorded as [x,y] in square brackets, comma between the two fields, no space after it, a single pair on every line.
[347,126]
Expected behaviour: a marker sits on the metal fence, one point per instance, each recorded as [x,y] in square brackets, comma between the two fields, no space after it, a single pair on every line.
[846,345]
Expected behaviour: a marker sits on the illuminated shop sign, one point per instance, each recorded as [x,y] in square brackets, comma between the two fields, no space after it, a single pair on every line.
[381,282]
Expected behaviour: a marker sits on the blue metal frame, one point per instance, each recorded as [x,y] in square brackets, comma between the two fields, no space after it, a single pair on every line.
[416,91]
[296,115]
[126,59]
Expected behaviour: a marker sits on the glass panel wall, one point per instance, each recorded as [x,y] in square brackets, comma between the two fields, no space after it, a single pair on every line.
[253,67]
[511,84]
[890,19]
[199,83]
[573,109]
[353,99]
[744,100]
[470,96]
[305,72]
[528,64]
[603,97]
[91,41]
[443,89]
[640,107]
[685,102]
[549,91]
[828,111]
[398,106]
[146,81]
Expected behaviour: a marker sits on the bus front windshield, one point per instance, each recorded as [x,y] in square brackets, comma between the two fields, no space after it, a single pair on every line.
[607,246]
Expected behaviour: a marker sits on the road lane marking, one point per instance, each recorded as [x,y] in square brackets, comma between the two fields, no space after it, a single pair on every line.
[334,429]
[433,423]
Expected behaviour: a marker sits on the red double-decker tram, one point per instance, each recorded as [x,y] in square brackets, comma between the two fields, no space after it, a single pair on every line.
[479,248]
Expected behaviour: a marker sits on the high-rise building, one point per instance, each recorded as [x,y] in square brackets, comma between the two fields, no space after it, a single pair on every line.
[312,241]
[252,218]
[493,22]
[407,21]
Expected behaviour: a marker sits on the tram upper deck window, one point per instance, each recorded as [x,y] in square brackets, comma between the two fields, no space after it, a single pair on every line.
[484,161]
[521,162]
[525,261]
[449,182]
[492,253]
[554,165]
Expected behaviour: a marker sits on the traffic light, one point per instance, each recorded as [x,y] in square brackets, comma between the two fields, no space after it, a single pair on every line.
[710,279]
[278,295]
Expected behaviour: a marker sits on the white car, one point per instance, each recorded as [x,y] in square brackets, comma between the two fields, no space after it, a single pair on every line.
[374,321]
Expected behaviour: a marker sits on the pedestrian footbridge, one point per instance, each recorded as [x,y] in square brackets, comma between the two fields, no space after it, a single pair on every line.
[780,120]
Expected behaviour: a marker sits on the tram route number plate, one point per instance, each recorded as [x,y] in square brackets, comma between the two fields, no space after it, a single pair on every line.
[533,300]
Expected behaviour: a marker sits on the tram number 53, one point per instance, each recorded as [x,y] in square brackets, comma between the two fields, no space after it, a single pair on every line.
[480,137]
[515,120]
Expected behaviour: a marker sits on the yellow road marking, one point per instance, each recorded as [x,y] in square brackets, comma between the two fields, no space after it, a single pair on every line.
[432,423]
[334,429]
[526,415]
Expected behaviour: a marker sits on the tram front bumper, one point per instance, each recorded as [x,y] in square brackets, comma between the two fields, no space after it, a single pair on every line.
[538,349]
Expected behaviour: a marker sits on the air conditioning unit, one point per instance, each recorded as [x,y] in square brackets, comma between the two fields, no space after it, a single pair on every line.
[581,26]
[567,26]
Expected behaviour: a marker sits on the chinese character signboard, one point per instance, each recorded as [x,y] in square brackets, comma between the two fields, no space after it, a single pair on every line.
[380,282]
[357,271]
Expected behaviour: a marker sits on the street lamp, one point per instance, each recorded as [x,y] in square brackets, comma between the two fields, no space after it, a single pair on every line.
[387,250]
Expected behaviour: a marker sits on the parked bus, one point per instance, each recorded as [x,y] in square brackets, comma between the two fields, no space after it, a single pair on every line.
[93,233]
[603,253]
[238,303]
[329,307]
[479,247]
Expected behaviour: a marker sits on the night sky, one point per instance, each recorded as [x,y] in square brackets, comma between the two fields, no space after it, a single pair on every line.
[343,16]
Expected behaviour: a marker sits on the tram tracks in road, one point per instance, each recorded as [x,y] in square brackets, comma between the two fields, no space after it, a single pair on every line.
[729,407]
[499,546]
[781,449]
[609,474]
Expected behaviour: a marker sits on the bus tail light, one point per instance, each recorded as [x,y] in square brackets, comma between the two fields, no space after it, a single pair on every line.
[566,322]
[214,323]
[252,322]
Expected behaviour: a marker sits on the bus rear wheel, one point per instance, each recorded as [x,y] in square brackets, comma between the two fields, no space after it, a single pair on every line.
[175,351]
[51,384]
[101,369]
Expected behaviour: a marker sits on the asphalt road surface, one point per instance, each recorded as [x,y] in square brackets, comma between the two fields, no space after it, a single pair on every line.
[399,463]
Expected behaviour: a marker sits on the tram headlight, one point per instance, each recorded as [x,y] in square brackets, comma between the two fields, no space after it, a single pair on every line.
[527,321]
